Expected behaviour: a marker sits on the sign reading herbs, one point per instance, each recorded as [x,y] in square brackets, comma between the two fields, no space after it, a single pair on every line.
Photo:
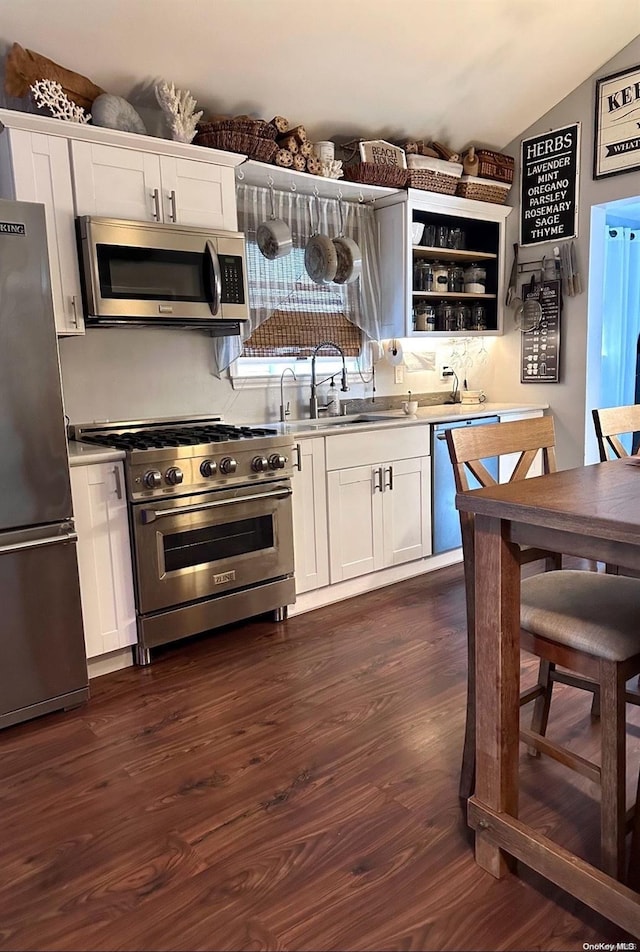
[549,186]
[617,138]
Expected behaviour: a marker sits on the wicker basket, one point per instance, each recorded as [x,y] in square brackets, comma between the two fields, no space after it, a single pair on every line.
[247,127]
[495,165]
[263,150]
[432,181]
[482,190]
[372,173]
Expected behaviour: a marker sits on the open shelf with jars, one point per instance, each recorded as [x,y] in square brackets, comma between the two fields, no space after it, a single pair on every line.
[451,273]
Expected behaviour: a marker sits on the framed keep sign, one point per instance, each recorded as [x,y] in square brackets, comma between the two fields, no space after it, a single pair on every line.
[549,172]
[617,126]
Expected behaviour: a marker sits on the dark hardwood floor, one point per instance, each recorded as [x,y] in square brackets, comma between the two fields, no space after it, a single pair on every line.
[288,787]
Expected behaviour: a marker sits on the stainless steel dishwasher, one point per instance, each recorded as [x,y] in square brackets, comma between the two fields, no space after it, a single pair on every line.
[445,520]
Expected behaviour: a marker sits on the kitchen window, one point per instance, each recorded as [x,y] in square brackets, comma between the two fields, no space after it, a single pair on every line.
[289,313]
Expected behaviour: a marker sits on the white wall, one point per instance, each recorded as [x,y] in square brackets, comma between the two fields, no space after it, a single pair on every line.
[567,398]
[139,373]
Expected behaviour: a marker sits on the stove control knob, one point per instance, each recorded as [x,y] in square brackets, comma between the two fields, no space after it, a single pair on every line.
[228,465]
[208,468]
[260,464]
[152,479]
[277,462]
[174,476]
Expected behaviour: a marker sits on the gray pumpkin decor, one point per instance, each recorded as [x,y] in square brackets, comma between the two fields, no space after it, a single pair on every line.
[114,112]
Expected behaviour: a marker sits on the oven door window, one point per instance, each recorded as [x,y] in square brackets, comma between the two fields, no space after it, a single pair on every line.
[152,274]
[218,542]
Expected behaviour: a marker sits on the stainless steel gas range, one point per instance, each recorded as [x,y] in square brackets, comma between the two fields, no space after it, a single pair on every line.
[211,527]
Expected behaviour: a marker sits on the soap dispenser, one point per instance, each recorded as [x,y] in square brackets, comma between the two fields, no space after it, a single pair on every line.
[333,403]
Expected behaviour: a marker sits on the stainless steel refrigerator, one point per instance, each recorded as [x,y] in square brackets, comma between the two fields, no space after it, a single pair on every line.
[42,656]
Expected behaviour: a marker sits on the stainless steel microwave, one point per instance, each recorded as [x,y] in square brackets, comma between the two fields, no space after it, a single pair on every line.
[168,275]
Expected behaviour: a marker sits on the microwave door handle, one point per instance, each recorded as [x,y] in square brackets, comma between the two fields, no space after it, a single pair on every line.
[216,284]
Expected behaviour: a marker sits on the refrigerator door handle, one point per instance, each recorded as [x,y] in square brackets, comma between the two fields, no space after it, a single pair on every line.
[38,543]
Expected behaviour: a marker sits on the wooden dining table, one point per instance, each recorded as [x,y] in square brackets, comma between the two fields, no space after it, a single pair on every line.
[591,512]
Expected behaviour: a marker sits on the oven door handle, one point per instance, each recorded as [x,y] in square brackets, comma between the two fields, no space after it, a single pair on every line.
[150,515]
[216,284]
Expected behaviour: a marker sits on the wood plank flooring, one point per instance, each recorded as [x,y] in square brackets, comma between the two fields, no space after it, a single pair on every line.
[289,787]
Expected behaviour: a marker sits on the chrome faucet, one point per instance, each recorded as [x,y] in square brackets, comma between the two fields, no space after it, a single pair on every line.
[285,411]
[313,402]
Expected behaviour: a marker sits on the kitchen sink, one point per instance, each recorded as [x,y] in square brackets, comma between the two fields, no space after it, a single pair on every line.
[326,422]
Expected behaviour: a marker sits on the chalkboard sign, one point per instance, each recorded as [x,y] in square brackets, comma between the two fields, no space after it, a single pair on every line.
[549,186]
[540,362]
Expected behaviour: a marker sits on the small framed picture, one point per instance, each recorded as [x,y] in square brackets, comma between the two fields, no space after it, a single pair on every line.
[616,146]
[383,153]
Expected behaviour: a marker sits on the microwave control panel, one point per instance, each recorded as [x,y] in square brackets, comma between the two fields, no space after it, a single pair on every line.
[232,279]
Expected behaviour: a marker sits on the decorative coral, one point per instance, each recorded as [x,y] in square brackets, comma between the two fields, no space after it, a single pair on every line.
[179,106]
[49,94]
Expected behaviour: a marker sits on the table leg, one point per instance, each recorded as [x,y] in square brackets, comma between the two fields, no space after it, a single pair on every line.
[497,579]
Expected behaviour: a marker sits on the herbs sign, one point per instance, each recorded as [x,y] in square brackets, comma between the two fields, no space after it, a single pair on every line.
[549,186]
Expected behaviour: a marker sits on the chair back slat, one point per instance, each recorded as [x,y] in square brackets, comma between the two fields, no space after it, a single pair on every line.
[480,472]
[469,445]
[612,422]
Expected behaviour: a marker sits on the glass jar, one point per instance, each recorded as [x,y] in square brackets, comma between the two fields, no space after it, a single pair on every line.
[442,236]
[424,317]
[478,317]
[456,279]
[462,316]
[440,277]
[446,317]
[423,276]
[475,279]
[456,239]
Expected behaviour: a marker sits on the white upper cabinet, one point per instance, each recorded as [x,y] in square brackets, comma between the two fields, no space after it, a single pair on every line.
[198,193]
[74,169]
[35,168]
[422,293]
[141,186]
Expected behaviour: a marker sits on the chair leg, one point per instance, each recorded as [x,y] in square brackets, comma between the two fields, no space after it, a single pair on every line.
[633,875]
[613,770]
[595,704]
[540,717]
[468,770]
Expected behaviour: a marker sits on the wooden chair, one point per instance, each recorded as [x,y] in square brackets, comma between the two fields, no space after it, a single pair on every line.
[611,423]
[584,622]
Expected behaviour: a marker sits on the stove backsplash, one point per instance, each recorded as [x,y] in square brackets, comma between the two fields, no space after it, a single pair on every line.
[143,373]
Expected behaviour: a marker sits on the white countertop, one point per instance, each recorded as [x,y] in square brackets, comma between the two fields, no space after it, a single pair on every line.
[373,419]
[84,454]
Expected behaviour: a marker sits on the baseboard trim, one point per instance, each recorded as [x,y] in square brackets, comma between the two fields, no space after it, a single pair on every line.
[330,594]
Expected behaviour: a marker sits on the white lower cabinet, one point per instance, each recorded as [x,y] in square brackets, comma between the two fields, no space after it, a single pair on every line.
[379,511]
[378,516]
[310,517]
[104,557]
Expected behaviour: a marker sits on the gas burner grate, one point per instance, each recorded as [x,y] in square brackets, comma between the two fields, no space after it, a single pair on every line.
[177,436]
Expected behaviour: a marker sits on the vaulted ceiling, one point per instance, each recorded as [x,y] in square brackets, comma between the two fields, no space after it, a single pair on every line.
[459,71]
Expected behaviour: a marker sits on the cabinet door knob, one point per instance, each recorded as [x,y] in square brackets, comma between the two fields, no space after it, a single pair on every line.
[299,459]
[74,310]
[389,485]
[378,483]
